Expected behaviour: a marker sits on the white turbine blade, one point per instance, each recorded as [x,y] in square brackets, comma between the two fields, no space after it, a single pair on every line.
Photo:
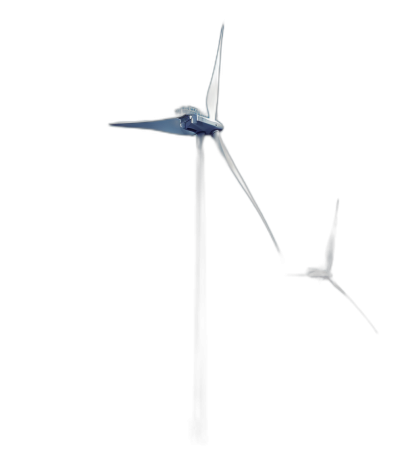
[352,301]
[330,247]
[242,183]
[213,89]
[171,125]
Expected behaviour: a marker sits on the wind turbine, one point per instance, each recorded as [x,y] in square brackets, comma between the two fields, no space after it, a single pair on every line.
[325,272]
[188,122]
[191,121]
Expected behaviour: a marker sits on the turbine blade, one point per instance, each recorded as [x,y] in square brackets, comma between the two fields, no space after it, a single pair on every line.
[352,301]
[171,125]
[213,89]
[330,249]
[242,183]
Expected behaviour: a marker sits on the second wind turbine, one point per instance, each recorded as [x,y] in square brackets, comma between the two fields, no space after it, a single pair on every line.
[190,121]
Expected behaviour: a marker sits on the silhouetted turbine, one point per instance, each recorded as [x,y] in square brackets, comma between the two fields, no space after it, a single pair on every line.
[190,121]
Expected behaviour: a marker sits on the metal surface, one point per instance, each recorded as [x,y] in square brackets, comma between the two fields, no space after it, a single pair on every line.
[200,124]
[170,125]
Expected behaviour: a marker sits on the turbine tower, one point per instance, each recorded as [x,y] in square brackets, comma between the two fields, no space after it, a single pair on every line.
[188,122]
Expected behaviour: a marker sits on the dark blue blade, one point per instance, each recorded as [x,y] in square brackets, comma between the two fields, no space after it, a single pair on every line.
[171,125]
[355,305]
[330,247]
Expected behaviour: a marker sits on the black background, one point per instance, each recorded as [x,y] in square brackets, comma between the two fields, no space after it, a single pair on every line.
[290,362]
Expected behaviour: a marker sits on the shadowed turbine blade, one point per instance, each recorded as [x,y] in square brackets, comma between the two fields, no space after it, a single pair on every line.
[242,183]
[213,89]
[171,125]
[330,249]
[352,301]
